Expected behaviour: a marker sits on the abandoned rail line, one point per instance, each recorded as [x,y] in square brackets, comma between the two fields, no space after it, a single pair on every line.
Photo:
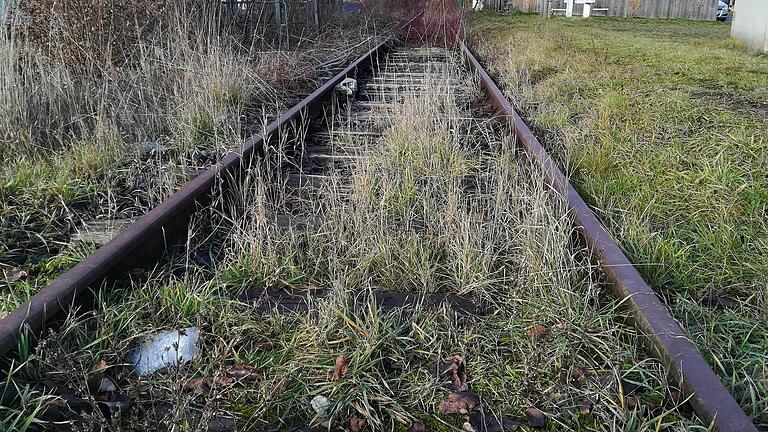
[379,74]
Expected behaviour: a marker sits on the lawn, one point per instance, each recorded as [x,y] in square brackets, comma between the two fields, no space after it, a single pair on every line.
[663,127]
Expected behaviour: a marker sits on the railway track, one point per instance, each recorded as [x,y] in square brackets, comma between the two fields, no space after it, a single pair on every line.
[336,144]
[341,134]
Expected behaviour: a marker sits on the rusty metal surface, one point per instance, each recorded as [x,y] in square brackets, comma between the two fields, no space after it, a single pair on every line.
[150,235]
[709,398]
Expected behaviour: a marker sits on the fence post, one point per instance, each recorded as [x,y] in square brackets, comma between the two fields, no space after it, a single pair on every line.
[316,13]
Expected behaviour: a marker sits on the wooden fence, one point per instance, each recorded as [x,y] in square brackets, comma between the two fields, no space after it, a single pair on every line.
[684,9]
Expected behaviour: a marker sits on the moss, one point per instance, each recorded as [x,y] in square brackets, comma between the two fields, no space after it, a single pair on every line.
[655,399]
[433,424]
[55,266]
[245,410]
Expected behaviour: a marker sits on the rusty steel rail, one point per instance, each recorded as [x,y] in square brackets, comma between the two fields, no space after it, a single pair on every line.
[146,238]
[708,397]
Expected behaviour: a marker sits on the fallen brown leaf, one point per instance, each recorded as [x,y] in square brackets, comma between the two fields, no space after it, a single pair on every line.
[631,403]
[244,372]
[675,397]
[537,332]
[606,379]
[281,386]
[536,418]
[95,377]
[341,368]
[15,275]
[204,384]
[453,370]
[460,403]
[579,377]
[585,408]
[417,426]
[489,423]
[719,300]
[267,346]
[357,424]
[235,374]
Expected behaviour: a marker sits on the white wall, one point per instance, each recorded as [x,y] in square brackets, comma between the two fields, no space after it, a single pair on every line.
[750,23]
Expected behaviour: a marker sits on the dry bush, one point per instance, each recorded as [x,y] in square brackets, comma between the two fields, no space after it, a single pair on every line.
[137,66]
[183,87]
[433,22]
[88,31]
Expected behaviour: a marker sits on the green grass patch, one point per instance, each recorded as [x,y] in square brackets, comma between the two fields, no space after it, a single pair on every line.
[662,127]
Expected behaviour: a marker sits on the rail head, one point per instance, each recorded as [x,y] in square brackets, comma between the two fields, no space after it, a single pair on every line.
[708,396]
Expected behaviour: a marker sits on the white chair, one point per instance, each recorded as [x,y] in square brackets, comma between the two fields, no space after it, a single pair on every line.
[587,10]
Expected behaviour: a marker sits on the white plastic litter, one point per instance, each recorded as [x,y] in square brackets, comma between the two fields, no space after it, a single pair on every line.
[347,87]
[165,349]
[152,148]
[320,404]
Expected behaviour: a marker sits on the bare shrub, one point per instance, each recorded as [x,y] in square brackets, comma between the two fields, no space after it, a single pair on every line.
[434,22]
[85,31]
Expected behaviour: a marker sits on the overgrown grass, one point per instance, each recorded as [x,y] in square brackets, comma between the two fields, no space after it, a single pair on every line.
[441,204]
[662,126]
[103,140]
